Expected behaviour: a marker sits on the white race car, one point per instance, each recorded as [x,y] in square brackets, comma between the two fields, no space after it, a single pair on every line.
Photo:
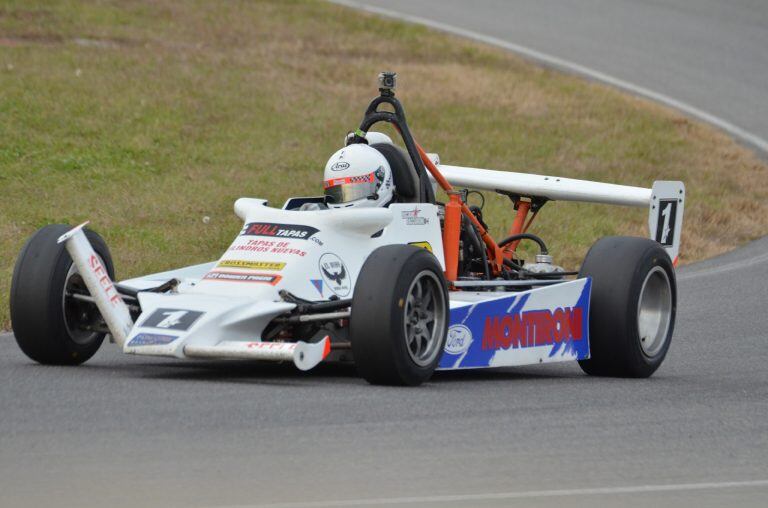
[401,289]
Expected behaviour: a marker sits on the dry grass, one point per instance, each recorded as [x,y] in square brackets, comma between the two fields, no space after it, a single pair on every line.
[144,116]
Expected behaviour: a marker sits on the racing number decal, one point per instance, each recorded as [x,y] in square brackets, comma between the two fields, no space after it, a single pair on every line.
[172,319]
[665,225]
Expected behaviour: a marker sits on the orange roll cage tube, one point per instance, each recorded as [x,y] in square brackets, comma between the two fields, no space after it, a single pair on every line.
[518,226]
[452,228]
[451,235]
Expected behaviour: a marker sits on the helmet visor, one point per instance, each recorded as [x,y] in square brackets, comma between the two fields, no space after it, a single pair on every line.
[350,188]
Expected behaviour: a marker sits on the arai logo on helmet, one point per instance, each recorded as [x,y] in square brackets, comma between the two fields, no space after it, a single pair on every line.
[458,340]
[340,166]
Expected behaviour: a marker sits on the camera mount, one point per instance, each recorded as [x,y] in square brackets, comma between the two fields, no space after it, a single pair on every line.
[387,83]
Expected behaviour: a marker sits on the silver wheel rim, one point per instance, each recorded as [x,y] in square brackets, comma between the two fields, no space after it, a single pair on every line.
[74,320]
[425,315]
[654,311]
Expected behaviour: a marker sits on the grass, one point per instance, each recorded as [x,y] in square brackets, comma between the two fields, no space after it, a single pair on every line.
[146,116]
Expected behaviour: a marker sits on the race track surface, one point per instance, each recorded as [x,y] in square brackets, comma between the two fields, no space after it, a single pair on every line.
[127,431]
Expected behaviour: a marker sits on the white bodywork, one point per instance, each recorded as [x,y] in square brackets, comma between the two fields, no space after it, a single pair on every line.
[220,309]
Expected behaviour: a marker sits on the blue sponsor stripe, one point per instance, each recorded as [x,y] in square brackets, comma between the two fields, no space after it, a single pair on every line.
[579,347]
[489,321]
[151,339]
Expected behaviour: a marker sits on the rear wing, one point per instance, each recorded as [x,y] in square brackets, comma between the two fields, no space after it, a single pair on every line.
[665,200]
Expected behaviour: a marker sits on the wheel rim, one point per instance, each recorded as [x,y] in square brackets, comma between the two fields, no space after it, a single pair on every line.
[654,311]
[79,316]
[425,315]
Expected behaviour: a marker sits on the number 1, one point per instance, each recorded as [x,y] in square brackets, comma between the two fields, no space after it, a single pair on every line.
[665,230]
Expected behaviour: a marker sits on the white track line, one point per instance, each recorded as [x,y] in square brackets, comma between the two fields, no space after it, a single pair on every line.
[502,496]
[726,267]
[737,132]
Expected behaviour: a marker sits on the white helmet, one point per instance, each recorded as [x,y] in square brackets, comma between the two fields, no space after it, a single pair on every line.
[358,175]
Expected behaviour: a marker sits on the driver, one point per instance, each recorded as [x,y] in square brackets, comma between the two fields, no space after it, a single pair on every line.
[358,175]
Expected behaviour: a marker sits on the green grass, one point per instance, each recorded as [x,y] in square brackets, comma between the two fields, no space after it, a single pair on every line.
[145,116]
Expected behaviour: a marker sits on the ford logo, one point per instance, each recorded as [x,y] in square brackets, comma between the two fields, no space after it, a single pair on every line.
[458,340]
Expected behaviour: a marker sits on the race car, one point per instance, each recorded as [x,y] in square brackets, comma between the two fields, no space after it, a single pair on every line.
[402,289]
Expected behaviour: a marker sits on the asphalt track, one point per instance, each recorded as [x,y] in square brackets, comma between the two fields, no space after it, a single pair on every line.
[125,431]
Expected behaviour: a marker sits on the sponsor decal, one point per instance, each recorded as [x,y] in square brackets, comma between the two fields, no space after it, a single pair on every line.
[458,340]
[547,324]
[412,218]
[251,265]
[268,246]
[532,328]
[423,245]
[265,278]
[172,319]
[340,166]
[272,345]
[295,231]
[151,339]
[318,283]
[335,274]
[288,250]
[104,281]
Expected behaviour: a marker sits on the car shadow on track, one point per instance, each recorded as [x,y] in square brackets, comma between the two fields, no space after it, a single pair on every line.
[333,373]
[252,372]
[115,364]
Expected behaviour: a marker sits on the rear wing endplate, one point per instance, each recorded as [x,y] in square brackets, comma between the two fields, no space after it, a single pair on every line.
[665,218]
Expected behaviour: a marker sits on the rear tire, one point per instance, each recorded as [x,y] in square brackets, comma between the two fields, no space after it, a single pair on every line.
[632,307]
[49,327]
[399,316]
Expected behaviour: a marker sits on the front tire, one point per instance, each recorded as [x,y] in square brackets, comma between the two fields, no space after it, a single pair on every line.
[632,307]
[399,316]
[51,327]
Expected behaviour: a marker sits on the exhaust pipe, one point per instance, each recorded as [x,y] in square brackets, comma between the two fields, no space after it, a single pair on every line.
[109,302]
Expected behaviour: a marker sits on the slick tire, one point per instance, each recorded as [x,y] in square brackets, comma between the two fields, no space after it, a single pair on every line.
[49,327]
[632,308]
[399,316]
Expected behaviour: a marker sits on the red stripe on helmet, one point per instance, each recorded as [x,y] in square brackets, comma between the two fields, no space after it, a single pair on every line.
[333,182]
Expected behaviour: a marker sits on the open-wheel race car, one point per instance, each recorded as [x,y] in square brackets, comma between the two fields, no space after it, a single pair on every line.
[401,285]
